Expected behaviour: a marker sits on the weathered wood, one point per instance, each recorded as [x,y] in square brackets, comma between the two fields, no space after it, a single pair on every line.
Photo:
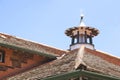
[78,73]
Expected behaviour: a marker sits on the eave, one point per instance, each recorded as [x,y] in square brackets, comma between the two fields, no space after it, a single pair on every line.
[52,56]
[78,73]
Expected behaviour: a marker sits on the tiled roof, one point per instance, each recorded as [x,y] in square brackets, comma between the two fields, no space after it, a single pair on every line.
[105,56]
[55,67]
[29,45]
[102,62]
[95,61]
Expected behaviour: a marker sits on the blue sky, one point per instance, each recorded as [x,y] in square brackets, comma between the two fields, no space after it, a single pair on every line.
[45,21]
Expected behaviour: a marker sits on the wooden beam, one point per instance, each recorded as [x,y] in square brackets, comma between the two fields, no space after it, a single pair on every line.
[78,73]
[65,76]
[96,75]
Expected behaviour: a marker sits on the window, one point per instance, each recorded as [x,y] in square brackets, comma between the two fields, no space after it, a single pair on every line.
[2,56]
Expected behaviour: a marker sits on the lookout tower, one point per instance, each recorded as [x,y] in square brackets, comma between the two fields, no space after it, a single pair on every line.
[81,35]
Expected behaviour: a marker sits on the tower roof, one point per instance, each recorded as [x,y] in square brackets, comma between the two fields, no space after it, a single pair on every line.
[82,28]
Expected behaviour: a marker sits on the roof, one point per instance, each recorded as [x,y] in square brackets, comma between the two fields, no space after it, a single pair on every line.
[55,67]
[93,60]
[13,42]
[101,62]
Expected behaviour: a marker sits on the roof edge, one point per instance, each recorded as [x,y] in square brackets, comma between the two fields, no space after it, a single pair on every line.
[78,73]
[5,34]
[29,50]
[105,56]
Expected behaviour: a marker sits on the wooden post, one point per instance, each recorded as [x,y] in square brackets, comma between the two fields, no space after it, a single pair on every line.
[85,37]
[73,40]
[91,40]
[78,37]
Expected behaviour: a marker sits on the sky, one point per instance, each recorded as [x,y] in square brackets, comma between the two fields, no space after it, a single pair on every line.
[45,21]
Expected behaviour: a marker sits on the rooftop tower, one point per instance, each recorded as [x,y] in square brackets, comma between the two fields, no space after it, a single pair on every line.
[81,35]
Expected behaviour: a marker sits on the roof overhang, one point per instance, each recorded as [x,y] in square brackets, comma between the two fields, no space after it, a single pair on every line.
[52,56]
[78,73]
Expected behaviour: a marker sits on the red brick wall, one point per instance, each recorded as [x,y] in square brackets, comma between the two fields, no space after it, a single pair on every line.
[11,70]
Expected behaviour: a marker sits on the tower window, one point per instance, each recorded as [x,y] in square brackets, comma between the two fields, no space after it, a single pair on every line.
[2,56]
